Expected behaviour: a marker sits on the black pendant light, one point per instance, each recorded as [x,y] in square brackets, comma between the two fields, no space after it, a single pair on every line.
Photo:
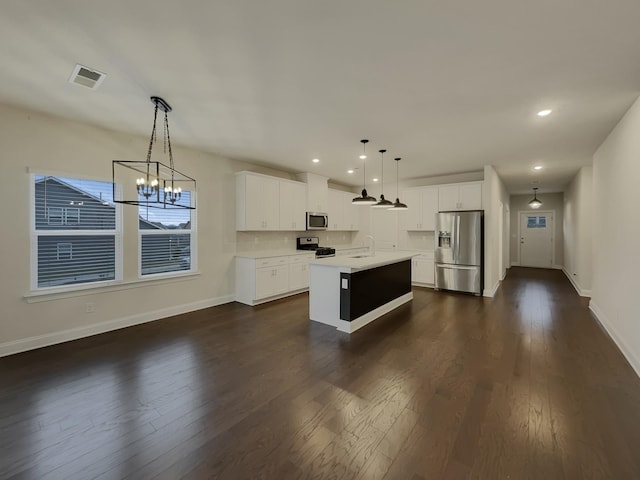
[535,203]
[398,205]
[383,203]
[364,199]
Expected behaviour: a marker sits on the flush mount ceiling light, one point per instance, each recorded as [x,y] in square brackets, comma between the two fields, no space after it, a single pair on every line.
[351,170]
[364,199]
[535,203]
[398,205]
[157,185]
[316,160]
[545,112]
[537,167]
[383,203]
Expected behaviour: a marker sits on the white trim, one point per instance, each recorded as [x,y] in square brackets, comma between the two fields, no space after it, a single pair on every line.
[55,293]
[515,264]
[553,234]
[30,343]
[490,292]
[557,267]
[618,339]
[353,325]
[576,285]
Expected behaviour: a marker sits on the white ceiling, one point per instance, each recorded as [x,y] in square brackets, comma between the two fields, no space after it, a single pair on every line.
[447,86]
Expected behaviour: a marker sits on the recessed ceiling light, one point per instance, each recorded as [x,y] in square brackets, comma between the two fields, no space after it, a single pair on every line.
[375,179]
[350,170]
[538,167]
[363,156]
[544,113]
[316,160]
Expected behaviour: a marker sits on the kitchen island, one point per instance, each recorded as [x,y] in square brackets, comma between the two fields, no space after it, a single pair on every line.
[350,292]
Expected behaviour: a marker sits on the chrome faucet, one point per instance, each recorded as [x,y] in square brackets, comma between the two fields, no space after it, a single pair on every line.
[372,246]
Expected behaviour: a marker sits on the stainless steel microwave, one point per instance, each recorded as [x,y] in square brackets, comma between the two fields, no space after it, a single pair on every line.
[317,221]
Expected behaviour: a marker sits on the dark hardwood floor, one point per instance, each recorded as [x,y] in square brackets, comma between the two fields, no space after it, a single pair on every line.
[522,386]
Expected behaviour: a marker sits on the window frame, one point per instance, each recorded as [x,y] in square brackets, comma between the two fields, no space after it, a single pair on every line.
[35,234]
[193,245]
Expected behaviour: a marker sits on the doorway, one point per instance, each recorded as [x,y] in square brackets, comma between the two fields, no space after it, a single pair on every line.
[536,232]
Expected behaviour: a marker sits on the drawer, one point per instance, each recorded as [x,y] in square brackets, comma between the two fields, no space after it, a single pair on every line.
[302,258]
[271,261]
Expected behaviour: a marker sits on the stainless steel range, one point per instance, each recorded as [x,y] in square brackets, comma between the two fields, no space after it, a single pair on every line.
[313,243]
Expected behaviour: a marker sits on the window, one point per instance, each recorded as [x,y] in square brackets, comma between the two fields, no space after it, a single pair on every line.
[65,251]
[75,232]
[536,222]
[63,216]
[166,238]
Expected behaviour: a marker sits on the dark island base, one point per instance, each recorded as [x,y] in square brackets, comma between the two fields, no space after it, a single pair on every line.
[363,292]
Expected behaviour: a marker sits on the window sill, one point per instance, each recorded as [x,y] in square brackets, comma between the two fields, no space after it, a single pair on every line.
[45,296]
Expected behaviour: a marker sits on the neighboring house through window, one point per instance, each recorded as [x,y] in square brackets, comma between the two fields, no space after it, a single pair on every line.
[75,232]
[166,238]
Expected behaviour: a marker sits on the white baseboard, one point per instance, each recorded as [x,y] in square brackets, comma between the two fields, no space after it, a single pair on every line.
[515,264]
[582,292]
[352,326]
[39,341]
[618,339]
[558,267]
[490,292]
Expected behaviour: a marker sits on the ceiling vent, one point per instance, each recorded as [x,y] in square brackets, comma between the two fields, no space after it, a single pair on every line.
[87,77]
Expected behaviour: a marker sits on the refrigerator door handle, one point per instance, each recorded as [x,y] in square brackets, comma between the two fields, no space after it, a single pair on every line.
[455,267]
[457,238]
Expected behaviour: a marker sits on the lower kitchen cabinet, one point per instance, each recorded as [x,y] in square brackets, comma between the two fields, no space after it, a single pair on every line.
[299,273]
[422,269]
[271,281]
[262,279]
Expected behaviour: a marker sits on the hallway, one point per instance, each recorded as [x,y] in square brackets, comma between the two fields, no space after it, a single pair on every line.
[525,385]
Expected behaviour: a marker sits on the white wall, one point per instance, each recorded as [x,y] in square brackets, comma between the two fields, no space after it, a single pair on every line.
[494,193]
[577,230]
[550,202]
[615,295]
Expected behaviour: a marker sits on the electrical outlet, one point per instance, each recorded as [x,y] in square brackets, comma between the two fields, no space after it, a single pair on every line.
[89,307]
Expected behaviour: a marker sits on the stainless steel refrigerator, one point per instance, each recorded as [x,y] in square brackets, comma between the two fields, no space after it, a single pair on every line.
[459,251]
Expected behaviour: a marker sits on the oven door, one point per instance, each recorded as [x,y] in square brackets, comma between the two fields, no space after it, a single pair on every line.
[317,221]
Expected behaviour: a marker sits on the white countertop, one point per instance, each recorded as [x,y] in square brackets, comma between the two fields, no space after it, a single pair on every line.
[274,253]
[285,252]
[351,264]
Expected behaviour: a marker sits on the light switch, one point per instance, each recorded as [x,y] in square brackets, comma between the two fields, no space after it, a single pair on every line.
[345,284]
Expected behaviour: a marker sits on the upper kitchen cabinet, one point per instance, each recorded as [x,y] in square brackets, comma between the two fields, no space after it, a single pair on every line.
[293,197]
[463,196]
[423,206]
[317,192]
[257,202]
[343,215]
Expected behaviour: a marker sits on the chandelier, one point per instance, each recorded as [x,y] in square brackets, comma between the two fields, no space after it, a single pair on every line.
[157,185]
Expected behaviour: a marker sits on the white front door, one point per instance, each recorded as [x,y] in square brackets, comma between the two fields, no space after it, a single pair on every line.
[536,239]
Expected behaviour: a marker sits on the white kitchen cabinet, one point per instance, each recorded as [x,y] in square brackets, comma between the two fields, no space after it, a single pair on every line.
[464,196]
[292,201]
[384,228]
[422,269]
[264,279]
[335,211]
[271,281]
[299,274]
[257,202]
[343,215]
[317,192]
[423,206]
